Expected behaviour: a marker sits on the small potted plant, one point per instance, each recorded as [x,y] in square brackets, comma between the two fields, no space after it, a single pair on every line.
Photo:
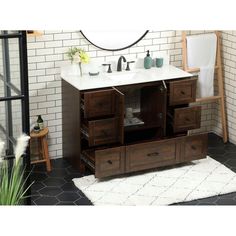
[78,56]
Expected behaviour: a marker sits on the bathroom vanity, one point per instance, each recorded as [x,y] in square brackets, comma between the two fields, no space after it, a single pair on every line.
[96,133]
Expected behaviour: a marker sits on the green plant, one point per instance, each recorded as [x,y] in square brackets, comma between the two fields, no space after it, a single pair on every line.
[12,178]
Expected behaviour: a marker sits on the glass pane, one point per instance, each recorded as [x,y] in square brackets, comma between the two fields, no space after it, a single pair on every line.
[5,90]
[16,118]
[14,59]
[11,118]
[1,58]
[10,72]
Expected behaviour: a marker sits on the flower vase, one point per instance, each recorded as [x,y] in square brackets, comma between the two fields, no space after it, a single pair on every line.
[74,69]
[80,67]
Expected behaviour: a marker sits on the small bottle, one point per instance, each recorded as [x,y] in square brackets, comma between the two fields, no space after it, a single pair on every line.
[147,61]
[40,122]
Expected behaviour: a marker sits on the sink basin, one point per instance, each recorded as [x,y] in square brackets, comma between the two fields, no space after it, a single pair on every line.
[121,76]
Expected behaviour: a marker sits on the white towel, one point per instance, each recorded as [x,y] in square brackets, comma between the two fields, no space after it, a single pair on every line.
[201,53]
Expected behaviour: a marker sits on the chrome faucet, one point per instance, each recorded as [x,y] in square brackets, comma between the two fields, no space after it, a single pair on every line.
[119,64]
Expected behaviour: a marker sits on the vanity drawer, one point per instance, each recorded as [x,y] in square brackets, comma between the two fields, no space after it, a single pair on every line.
[186,118]
[98,103]
[106,162]
[104,131]
[194,147]
[152,154]
[182,91]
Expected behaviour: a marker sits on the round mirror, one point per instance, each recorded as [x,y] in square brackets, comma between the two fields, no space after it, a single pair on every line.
[113,40]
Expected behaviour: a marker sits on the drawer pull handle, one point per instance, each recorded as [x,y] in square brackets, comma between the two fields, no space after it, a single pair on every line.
[109,162]
[104,132]
[153,154]
[182,92]
[187,119]
[193,147]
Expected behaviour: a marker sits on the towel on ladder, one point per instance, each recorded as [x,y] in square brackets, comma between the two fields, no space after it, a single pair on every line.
[201,53]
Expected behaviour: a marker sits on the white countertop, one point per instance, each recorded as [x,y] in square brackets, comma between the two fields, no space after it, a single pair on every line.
[136,76]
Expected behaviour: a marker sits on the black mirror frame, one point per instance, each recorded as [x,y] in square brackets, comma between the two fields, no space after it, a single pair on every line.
[118,49]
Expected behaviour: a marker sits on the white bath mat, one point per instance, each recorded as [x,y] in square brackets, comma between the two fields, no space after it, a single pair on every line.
[199,179]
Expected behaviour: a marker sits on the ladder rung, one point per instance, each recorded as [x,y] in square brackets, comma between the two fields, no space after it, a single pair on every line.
[208,99]
[192,70]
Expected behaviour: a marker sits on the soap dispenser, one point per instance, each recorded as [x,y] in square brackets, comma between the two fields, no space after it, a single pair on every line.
[147,61]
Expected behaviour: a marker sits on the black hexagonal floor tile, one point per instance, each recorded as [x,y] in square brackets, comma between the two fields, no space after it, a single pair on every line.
[58,173]
[69,187]
[230,148]
[226,201]
[83,202]
[219,151]
[50,191]
[229,196]
[44,200]
[38,176]
[39,168]
[230,155]
[56,182]
[36,186]
[231,163]
[206,204]
[68,197]
[69,177]
[208,200]
[60,163]
[66,204]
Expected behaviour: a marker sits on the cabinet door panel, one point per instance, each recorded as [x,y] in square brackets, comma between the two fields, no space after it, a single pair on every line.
[99,103]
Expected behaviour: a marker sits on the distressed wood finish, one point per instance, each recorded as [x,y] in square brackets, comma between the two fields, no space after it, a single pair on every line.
[104,148]
[99,103]
[186,118]
[182,91]
[150,155]
[71,144]
[109,162]
[103,131]
[194,147]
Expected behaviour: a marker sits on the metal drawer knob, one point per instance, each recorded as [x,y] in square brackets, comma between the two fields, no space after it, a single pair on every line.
[109,162]
[153,154]
[193,147]
[182,92]
[187,119]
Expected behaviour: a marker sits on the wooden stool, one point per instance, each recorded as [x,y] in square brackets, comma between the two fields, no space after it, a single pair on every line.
[43,147]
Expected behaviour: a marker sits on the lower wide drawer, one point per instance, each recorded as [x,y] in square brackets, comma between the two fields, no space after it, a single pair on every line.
[106,162]
[152,154]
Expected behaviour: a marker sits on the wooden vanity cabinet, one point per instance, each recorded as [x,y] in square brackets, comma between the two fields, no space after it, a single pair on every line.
[108,147]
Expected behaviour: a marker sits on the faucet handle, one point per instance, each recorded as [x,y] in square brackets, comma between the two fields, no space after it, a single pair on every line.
[109,67]
[128,62]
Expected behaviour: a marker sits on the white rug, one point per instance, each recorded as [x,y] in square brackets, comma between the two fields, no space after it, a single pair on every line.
[199,179]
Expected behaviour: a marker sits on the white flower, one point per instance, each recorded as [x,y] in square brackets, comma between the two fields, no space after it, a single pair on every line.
[1,150]
[76,57]
[22,143]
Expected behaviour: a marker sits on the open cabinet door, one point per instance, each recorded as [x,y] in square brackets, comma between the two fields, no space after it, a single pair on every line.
[120,106]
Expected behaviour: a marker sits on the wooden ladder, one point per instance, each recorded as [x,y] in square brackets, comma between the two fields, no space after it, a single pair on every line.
[218,69]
